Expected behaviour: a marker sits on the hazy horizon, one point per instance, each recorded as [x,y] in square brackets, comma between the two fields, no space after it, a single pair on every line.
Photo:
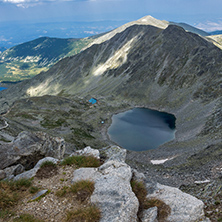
[25,20]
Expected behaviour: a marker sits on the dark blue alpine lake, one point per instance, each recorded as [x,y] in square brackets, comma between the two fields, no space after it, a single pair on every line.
[142,129]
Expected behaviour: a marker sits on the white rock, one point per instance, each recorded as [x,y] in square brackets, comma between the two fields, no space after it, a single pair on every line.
[113,193]
[87,151]
[114,153]
[184,207]
[149,215]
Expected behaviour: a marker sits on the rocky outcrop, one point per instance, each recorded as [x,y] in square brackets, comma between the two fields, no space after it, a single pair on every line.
[87,151]
[28,148]
[31,173]
[113,193]
[184,207]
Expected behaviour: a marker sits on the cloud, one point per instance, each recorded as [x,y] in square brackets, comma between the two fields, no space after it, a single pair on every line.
[210,26]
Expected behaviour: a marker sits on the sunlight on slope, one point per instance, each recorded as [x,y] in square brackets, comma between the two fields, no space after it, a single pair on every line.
[115,61]
[44,89]
[216,39]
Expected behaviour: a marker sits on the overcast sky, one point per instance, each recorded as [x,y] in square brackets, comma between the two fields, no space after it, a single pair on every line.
[205,14]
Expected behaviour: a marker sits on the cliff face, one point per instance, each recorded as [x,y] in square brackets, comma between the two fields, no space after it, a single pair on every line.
[169,70]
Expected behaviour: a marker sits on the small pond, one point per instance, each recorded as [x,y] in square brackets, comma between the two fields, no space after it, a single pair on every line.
[142,129]
[2,88]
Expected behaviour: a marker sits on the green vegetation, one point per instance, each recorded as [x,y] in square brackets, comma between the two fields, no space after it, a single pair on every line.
[81,161]
[83,189]
[140,191]
[163,210]
[27,218]
[62,192]
[29,59]
[88,214]
[11,192]
[48,163]
[33,189]
[51,124]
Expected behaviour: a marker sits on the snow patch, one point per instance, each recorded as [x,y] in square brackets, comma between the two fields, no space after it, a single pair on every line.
[200,182]
[156,162]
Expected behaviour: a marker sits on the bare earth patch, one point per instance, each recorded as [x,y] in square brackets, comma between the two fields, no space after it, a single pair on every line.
[51,207]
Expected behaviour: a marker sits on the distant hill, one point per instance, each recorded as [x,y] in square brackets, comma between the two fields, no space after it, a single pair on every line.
[190,28]
[2,49]
[28,59]
[218,32]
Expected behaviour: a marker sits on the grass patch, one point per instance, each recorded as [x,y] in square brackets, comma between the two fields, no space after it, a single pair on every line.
[47,163]
[47,169]
[163,209]
[81,161]
[140,191]
[10,192]
[83,189]
[51,123]
[6,214]
[80,133]
[27,218]
[88,214]
[33,189]
[62,192]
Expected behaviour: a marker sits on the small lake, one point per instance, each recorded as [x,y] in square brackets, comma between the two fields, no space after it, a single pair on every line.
[142,129]
[2,88]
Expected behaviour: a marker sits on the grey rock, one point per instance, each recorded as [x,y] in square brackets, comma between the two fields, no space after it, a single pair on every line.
[85,174]
[184,207]
[26,175]
[113,193]
[87,151]
[149,215]
[31,173]
[14,170]
[46,159]
[138,176]
[28,148]
[2,174]
[113,153]
[39,194]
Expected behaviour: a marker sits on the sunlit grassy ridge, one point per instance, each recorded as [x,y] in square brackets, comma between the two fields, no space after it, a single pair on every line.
[29,59]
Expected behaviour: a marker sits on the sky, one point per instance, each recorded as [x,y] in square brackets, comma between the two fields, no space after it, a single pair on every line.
[204,14]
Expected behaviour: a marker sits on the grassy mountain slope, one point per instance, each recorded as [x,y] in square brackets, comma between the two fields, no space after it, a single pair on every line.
[30,58]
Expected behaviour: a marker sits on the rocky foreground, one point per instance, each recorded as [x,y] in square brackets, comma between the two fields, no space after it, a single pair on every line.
[112,194]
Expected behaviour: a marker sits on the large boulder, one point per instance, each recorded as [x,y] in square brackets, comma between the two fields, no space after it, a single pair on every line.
[113,193]
[184,207]
[28,148]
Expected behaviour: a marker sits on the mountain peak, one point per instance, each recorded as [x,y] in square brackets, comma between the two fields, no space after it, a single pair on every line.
[149,20]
